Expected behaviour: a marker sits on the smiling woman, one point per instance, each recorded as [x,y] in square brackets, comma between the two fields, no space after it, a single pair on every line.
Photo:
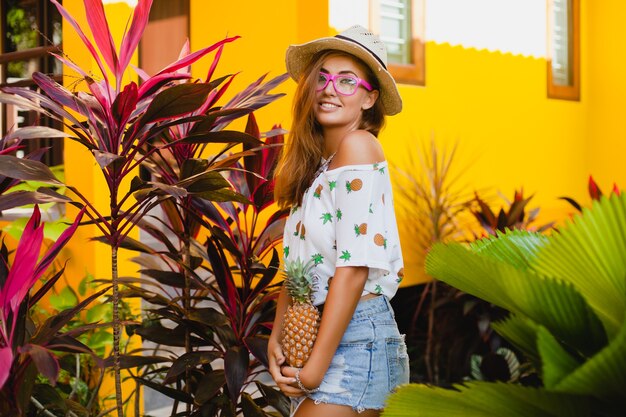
[341,246]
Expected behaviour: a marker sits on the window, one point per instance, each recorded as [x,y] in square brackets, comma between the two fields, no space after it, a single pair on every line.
[165,35]
[31,29]
[400,24]
[564,49]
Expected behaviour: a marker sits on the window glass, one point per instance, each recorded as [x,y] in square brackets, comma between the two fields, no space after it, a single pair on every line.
[31,29]
[395,30]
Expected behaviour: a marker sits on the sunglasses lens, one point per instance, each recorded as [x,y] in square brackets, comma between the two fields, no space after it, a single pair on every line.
[346,84]
[322,79]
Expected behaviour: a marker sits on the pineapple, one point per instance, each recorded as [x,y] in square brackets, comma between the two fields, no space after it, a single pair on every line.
[318,191]
[302,318]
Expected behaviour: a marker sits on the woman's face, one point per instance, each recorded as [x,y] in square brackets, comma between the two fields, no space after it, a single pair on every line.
[335,110]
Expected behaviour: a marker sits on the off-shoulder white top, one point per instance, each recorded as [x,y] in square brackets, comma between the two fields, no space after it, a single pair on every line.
[347,219]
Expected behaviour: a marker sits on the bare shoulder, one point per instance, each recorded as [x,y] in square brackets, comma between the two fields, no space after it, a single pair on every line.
[358,147]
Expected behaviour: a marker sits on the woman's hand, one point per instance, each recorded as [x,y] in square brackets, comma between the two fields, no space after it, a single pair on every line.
[285,382]
[309,378]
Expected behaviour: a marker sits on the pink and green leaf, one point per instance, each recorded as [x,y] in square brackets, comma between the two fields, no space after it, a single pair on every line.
[97,21]
[133,36]
[82,36]
[191,58]
[6,362]
[19,279]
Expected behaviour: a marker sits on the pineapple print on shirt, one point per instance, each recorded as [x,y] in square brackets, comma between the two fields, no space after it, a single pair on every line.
[360,229]
[318,191]
[349,214]
[354,185]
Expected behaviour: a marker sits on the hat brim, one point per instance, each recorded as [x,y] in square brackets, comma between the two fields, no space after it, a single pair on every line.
[298,57]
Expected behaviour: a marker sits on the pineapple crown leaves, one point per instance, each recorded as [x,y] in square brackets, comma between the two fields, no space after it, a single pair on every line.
[300,279]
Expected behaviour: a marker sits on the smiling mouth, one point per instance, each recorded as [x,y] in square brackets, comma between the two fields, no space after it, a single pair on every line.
[329,106]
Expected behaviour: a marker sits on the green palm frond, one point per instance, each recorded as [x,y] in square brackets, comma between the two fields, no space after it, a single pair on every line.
[567,298]
[590,252]
[603,375]
[484,399]
[518,248]
[522,333]
[552,303]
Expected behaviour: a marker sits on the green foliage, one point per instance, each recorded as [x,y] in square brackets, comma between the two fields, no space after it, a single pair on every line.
[567,298]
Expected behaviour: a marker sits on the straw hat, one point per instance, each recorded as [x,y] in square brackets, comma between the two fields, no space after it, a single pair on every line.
[356,41]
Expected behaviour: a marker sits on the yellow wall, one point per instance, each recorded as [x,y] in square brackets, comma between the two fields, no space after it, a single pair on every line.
[510,135]
[266,29]
[605,91]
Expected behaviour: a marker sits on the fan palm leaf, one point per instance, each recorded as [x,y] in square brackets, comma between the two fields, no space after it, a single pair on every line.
[567,298]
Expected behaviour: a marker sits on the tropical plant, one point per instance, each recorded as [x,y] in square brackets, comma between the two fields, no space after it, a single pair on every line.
[595,193]
[29,366]
[81,376]
[221,301]
[121,126]
[14,171]
[514,217]
[567,296]
[430,195]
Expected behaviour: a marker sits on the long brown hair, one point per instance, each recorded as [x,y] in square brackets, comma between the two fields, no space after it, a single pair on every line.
[301,155]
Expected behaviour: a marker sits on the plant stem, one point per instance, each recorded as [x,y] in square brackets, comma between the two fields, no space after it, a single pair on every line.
[432,377]
[116,333]
[77,378]
[187,299]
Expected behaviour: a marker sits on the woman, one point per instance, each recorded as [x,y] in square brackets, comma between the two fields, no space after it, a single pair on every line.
[334,176]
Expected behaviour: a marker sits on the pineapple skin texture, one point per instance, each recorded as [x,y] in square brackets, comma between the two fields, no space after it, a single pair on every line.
[300,325]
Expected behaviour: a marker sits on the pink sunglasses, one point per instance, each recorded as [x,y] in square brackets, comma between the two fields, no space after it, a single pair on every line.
[344,84]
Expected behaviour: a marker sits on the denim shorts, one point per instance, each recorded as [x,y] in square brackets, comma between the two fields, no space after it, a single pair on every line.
[369,363]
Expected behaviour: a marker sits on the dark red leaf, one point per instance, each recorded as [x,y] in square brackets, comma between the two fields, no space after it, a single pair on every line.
[209,386]
[222,136]
[175,101]
[36,132]
[133,361]
[125,104]
[56,247]
[47,364]
[236,361]
[26,170]
[52,325]
[572,202]
[258,347]
[249,407]
[615,189]
[55,91]
[153,84]
[169,392]
[594,190]
[22,198]
[190,361]
[275,398]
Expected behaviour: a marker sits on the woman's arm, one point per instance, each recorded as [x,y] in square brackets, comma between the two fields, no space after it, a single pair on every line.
[343,296]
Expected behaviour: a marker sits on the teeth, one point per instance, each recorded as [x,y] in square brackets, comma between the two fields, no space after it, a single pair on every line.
[329,105]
